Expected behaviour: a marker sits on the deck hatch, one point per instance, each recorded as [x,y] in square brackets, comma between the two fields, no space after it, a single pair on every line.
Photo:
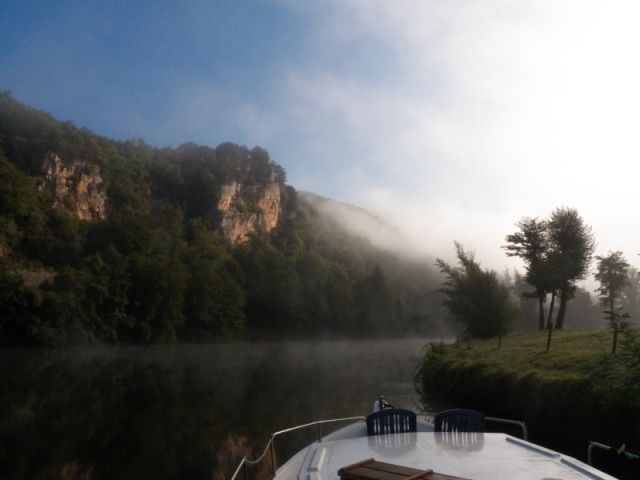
[317,462]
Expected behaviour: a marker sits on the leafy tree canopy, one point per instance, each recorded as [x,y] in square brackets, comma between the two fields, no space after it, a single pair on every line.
[475,297]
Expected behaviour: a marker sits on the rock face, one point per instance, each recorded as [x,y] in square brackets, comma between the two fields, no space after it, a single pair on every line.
[238,222]
[78,187]
[241,211]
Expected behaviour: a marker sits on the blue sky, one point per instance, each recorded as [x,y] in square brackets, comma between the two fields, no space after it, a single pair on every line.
[452,119]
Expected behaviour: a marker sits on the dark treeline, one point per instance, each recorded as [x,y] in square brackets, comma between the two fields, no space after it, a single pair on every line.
[157,269]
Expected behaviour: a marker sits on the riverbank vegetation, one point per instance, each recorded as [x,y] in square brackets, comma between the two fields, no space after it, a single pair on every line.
[574,392]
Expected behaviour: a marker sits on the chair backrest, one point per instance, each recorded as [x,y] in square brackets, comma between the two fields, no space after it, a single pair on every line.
[391,420]
[459,420]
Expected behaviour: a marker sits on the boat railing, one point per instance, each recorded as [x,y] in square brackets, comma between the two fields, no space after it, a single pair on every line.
[596,445]
[522,425]
[270,447]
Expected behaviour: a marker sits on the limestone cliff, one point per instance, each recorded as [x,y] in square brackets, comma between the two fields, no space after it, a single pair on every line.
[241,210]
[238,220]
[76,186]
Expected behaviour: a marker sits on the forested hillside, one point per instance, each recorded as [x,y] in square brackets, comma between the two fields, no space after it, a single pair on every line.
[103,241]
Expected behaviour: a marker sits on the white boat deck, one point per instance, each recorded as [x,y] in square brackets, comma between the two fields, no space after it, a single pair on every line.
[478,456]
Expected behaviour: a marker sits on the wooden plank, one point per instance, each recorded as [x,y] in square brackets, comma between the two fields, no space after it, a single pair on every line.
[370,469]
[363,473]
[358,464]
[423,474]
[392,468]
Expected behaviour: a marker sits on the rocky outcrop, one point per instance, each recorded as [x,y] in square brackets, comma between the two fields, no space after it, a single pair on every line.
[241,210]
[238,220]
[269,206]
[76,186]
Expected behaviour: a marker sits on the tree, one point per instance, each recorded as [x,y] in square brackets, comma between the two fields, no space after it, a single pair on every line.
[21,205]
[630,298]
[557,253]
[213,304]
[531,244]
[156,298]
[584,312]
[18,324]
[571,247]
[475,297]
[105,294]
[612,273]
[271,286]
[529,316]
[374,303]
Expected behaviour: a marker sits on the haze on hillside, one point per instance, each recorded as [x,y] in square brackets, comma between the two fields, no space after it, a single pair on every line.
[363,223]
[450,120]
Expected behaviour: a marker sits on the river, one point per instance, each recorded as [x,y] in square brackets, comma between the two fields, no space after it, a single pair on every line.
[182,411]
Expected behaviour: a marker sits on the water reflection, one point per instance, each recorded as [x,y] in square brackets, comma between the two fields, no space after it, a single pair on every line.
[464,441]
[181,411]
[392,446]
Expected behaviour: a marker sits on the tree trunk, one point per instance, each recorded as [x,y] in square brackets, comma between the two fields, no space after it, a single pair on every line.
[550,322]
[564,298]
[614,322]
[553,301]
[541,311]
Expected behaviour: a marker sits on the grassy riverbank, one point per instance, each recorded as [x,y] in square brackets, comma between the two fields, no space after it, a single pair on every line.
[562,394]
[572,353]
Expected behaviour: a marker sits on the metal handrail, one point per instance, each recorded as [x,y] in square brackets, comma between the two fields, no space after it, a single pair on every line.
[270,444]
[245,462]
[595,444]
[518,423]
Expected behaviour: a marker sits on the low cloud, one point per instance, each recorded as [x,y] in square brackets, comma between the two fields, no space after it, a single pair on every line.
[495,112]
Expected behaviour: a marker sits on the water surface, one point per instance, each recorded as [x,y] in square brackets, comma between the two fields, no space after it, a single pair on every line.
[186,411]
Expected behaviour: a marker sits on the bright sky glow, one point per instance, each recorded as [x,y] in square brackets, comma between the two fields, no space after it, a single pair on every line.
[453,119]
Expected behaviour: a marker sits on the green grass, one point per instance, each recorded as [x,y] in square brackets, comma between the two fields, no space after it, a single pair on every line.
[572,353]
[575,392]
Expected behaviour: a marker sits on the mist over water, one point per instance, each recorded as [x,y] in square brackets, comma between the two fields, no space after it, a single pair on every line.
[186,410]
